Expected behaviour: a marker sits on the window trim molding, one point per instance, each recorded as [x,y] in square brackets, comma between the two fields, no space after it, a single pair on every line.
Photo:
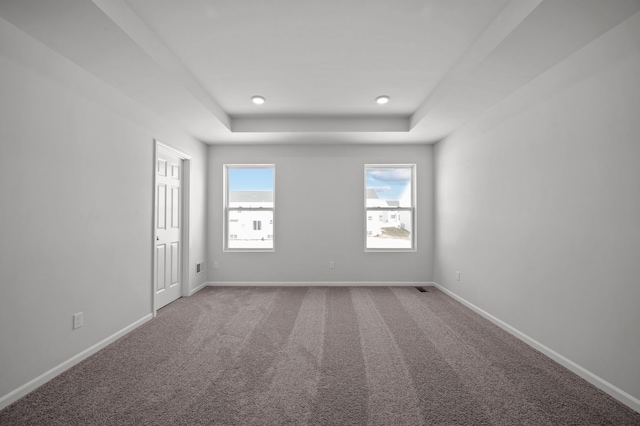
[413,209]
[226,209]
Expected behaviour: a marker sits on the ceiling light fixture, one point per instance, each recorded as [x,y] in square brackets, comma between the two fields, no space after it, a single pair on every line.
[258,100]
[382,99]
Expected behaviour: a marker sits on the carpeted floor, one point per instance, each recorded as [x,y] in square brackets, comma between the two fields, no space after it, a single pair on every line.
[321,356]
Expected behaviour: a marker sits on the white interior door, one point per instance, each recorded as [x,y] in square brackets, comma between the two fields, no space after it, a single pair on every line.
[168,229]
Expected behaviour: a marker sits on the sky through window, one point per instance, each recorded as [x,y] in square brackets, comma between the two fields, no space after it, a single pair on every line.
[389,183]
[251,179]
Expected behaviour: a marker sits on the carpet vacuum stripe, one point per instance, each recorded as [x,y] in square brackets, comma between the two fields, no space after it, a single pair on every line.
[443,396]
[501,400]
[294,385]
[342,392]
[245,375]
[392,395]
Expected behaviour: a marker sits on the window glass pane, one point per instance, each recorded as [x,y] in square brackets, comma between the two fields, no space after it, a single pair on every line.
[389,186]
[389,207]
[388,232]
[250,229]
[250,206]
[251,187]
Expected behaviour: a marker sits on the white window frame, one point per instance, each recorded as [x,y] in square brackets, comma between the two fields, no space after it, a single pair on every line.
[371,211]
[227,209]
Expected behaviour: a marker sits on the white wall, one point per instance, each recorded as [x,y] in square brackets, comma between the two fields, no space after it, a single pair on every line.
[76,165]
[320,217]
[538,206]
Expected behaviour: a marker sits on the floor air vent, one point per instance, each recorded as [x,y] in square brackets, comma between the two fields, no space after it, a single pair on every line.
[421,289]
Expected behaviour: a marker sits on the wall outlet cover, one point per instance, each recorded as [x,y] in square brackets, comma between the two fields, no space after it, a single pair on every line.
[78,320]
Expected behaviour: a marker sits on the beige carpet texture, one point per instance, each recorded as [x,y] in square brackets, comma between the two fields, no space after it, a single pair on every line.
[318,356]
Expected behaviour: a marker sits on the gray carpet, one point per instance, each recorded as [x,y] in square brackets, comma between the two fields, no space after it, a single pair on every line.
[321,356]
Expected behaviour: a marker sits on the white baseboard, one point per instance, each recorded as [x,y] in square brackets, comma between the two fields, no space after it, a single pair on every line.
[18,393]
[600,383]
[319,284]
[197,289]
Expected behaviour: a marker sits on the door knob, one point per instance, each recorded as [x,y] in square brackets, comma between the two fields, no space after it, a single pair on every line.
[157,238]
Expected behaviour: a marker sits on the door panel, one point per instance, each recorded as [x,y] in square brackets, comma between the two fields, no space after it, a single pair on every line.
[175,263]
[162,167]
[161,207]
[161,261]
[175,207]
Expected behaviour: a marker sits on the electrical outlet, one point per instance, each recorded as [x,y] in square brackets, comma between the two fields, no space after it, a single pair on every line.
[78,320]
[332,264]
[457,275]
[215,264]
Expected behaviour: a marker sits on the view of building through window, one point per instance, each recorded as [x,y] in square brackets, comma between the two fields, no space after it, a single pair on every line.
[389,206]
[250,206]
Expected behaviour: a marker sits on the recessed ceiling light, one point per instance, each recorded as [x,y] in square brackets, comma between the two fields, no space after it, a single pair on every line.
[258,100]
[382,99]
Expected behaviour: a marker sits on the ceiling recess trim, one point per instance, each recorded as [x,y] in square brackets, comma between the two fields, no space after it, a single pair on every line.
[320,124]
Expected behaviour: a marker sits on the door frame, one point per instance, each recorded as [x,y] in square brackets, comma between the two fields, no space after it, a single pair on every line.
[184,219]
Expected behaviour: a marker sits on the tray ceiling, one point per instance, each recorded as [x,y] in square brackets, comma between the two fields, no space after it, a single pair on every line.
[320,65]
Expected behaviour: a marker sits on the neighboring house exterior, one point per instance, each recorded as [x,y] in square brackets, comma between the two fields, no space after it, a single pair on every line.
[254,227]
[250,225]
[376,220]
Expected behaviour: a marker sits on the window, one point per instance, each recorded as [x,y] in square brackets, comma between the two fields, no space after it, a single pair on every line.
[249,200]
[390,207]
